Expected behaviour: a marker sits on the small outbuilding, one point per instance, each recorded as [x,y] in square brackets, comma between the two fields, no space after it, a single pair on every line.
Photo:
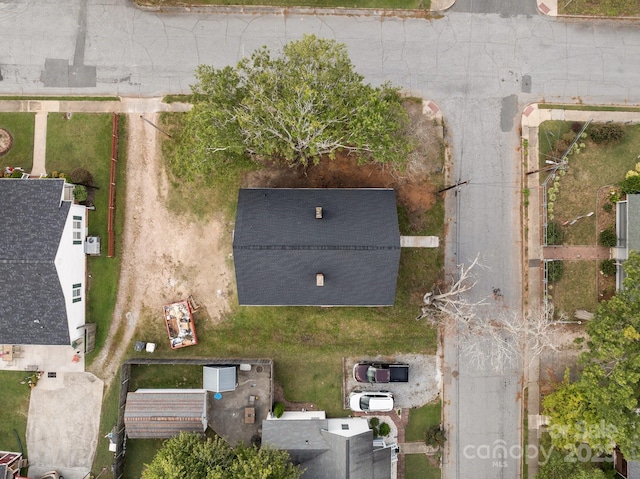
[164,413]
[219,379]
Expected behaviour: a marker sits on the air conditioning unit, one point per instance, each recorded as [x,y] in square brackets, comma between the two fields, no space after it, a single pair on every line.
[92,245]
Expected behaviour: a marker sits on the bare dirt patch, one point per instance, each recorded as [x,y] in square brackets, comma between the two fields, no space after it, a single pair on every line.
[165,256]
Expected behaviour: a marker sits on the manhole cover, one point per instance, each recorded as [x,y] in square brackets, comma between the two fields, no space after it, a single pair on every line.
[6,141]
[259,369]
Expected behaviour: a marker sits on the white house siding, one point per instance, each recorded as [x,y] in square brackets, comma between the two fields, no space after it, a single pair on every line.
[71,265]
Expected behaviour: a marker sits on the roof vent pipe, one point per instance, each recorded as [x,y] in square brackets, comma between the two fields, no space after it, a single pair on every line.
[318,212]
[319,279]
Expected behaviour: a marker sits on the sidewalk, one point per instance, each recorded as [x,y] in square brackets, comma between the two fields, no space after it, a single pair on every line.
[43,107]
[576,252]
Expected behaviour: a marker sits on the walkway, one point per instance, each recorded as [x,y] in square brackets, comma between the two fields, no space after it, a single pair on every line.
[43,108]
[576,252]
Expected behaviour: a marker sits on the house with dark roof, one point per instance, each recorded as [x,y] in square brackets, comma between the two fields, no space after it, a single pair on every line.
[340,448]
[163,413]
[316,247]
[42,263]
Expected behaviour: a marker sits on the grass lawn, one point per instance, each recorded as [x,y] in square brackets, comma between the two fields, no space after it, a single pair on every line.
[401,4]
[14,398]
[417,466]
[577,288]
[21,126]
[64,154]
[609,8]
[596,166]
[421,419]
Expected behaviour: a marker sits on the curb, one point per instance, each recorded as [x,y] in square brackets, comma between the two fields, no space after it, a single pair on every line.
[428,14]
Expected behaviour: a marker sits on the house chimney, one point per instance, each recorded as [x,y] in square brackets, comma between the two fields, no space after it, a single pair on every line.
[318,212]
[319,279]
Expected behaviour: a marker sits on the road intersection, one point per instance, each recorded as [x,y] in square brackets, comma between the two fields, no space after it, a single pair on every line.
[481,62]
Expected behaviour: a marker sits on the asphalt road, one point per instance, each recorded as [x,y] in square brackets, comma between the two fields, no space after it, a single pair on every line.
[482,63]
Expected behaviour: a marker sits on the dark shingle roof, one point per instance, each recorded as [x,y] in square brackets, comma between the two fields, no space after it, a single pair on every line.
[323,454]
[164,414]
[33,308]
[279,246]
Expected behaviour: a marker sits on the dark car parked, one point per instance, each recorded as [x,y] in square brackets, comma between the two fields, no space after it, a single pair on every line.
[366,372]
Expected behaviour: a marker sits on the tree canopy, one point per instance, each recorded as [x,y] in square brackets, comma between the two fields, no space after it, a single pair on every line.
[190,455]
[601,407]
[294,108]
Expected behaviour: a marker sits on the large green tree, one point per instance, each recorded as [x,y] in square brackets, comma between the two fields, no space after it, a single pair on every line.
[602,407]
[192,456]
[296,107]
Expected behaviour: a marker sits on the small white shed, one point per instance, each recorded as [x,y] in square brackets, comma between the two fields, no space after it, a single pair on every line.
[219,379]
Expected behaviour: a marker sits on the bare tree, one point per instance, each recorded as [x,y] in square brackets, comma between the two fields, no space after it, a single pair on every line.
[486,336]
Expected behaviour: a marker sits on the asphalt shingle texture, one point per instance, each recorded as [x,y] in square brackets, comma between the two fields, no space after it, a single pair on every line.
[33,309]
[279,246]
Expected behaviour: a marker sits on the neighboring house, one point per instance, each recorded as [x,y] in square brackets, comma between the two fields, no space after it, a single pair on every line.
[316,247]
[341,448]
[163,413]
[626,469]
[42,263]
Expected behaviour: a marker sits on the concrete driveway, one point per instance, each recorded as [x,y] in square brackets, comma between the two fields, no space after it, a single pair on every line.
[63,424]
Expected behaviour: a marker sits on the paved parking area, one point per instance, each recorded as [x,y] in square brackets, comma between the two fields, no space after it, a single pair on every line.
[63,424]
[425,379]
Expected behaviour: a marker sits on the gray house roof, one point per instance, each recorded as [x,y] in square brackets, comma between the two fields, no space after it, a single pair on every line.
[325,455]
[33,308]
[219,378]
[280,247]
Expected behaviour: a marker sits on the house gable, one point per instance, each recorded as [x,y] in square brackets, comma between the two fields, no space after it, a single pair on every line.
[322,247]
[33,291]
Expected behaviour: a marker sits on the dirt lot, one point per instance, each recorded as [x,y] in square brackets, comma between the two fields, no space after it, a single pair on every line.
[166,257]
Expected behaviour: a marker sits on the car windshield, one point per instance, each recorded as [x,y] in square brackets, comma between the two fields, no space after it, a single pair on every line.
[364,403]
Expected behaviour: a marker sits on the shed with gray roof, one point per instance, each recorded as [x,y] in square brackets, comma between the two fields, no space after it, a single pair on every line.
[324,452]
[316,247]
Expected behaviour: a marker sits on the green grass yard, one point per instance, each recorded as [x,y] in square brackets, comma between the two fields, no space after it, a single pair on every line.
[65,153]
[417,466]
[577,288]
[420,419]
[607,8]
[595,167]
[22,127]
[14,398]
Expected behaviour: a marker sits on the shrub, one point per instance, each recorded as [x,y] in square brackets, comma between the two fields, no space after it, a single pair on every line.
[631,185]
[374,422]
[16,174]
[608,207]
[606,133]
[80,176]
[555,270]
[555,235]
[80,193]
[608,238]
[435,436]
[608,267]
[384,429]
[278,409]
[576,126]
